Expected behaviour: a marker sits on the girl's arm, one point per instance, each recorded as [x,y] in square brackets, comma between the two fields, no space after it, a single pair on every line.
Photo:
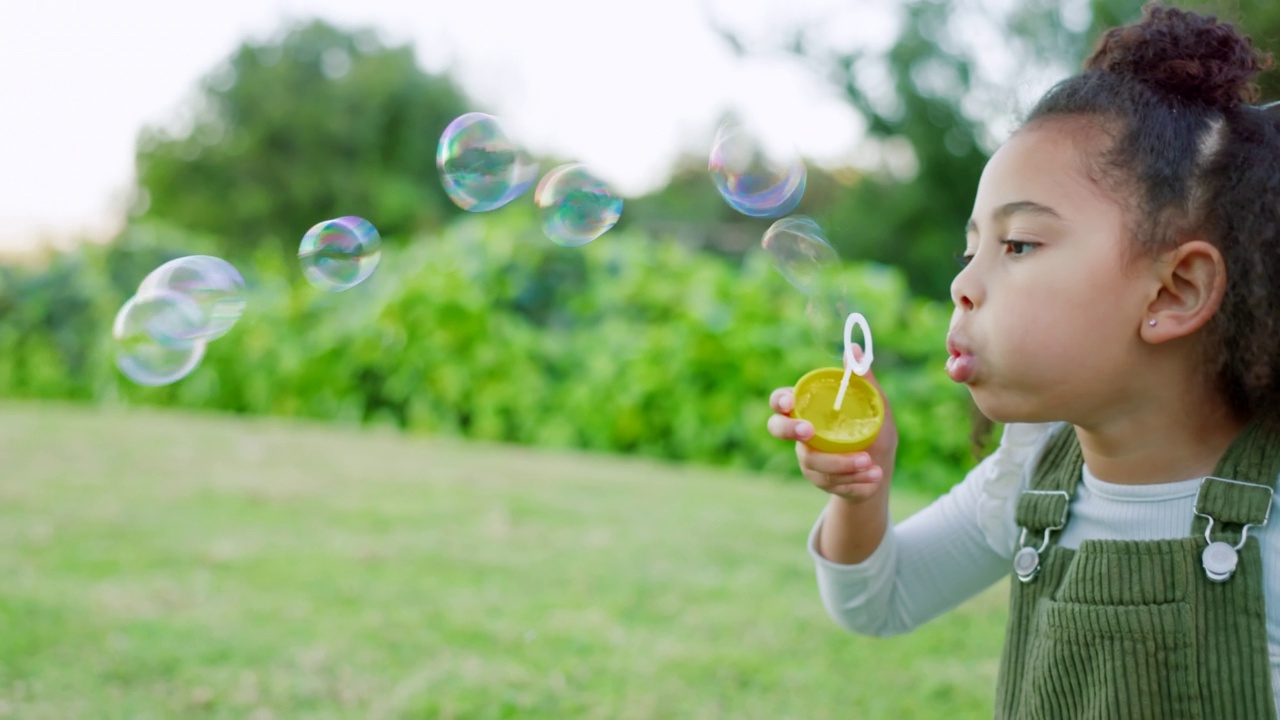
[922,567]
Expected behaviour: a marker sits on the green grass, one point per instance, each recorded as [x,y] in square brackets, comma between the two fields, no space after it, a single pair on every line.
[164,565]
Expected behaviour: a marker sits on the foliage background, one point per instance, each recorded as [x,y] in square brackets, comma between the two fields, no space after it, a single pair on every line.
[662,338]
[630,345]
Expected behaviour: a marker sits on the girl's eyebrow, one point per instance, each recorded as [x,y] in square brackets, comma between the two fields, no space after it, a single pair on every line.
[1018,206]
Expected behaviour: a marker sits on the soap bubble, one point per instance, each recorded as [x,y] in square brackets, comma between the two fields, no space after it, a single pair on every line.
[800,253]
[577,207]
[339,254]
[481,168]
[749,180]
[152,334]
[212,283]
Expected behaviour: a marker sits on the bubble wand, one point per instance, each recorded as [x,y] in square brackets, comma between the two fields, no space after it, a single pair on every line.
[847,412]
[850,366]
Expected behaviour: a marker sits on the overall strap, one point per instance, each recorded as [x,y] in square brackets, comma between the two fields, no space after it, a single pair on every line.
[1042,509]
[1229,626]
[1057,472]
[1238,494]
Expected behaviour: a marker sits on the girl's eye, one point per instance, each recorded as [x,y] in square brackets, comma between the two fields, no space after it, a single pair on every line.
[1018,247]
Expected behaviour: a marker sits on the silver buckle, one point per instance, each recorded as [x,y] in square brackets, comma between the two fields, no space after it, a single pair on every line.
[1220,558]
[1026,562]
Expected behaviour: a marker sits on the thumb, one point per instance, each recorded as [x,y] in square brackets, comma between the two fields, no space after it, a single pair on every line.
[853,354]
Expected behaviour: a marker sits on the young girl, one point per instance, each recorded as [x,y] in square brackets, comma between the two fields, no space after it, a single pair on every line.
[1119,310]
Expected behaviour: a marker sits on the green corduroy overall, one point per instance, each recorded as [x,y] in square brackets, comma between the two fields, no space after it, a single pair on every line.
[1124,629]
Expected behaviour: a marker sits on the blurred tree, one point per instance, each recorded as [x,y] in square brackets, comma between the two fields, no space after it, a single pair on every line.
[931,120]
[909,209]
[913,213]
[317,124]
[1045,35]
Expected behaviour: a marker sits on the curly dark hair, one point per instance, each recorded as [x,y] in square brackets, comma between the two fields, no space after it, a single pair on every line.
[1191,156]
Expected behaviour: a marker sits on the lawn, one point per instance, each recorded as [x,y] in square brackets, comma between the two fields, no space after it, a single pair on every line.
[163,565]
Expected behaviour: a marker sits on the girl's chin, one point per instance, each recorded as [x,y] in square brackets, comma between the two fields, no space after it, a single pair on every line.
[1005,412]
[998,408]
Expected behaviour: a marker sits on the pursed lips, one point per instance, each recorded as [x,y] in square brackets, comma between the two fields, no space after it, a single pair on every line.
[960,363]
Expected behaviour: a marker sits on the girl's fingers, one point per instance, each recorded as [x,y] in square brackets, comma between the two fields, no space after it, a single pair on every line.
[786,428]
[856,491]
[832,463]
[783,400]
[860,483]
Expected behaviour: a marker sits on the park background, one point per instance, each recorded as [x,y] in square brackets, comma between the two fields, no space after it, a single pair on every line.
[501,478]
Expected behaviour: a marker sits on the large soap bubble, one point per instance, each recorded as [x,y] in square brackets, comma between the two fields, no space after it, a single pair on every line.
[577,207]
[749,179]
[480,167]
[153,337]
[339,254]
[212,283]
[800,252]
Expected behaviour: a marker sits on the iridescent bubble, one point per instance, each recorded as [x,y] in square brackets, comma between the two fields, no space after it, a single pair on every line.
[152,337]
[577,207]
[214,284]
[800,253]
[339,254]
[750,180]
[481,168]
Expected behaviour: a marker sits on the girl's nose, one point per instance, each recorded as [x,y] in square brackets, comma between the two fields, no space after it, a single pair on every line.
[964,290]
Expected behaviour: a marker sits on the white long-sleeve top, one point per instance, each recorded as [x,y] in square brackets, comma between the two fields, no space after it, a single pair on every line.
[965,540]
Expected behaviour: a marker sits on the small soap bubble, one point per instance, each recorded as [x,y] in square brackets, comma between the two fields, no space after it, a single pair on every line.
[750,180]
[339,254]
[577,207]
[214,284]
[152,335]
[480,167]
[800,253]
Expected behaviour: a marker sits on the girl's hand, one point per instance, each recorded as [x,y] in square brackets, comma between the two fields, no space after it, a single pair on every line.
[854,476]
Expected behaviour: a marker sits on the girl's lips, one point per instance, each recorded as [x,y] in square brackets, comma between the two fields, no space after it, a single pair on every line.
[961,367]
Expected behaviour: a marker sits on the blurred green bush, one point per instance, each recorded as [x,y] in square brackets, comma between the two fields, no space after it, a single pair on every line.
[632,344]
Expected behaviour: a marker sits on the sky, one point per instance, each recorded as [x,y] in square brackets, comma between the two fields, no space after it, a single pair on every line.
[79,80]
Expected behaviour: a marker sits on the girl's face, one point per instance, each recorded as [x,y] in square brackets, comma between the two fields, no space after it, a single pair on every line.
[1046,324]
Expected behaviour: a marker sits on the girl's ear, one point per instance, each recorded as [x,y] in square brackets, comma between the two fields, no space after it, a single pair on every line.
[1192,280]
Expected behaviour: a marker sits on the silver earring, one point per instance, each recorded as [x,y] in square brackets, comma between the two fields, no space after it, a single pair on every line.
[1152,322]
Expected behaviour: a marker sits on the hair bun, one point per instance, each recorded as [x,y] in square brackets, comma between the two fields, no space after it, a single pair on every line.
[1184,53]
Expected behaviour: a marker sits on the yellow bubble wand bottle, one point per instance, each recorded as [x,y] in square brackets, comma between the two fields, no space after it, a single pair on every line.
[846,411]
